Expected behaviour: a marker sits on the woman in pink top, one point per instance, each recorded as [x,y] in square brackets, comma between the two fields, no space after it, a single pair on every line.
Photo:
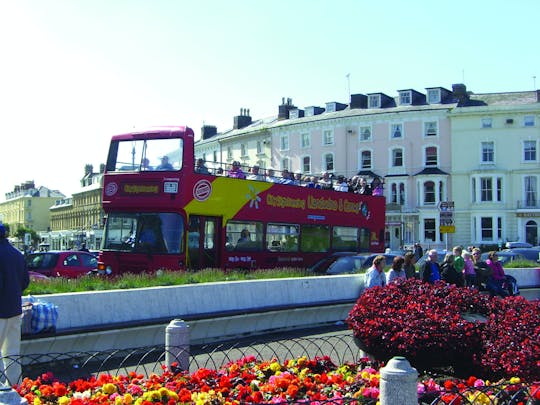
[496,281]
[468,270]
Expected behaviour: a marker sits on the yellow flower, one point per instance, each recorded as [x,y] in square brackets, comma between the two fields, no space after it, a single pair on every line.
[63,400]
[109,388]
[275,366]
[515,380]
[118,400]
[37,401]
[302,361]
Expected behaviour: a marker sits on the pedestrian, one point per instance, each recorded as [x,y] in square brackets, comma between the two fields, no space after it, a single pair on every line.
[14,279]
[449,273]
[375,275]
[409,265]
[431,271]
[397,270]
[418,251]
[468,270]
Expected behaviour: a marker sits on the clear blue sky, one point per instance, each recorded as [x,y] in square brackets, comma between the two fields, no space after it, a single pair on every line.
[75,72]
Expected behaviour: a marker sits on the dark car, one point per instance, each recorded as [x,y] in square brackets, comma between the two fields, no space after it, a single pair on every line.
[505,256]
[532,254]
[69,264]
[347,263]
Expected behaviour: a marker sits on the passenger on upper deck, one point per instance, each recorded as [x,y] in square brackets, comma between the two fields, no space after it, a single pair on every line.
[200,167]
[165,165]
[235,171]
[286,177]
[313,182]
[363,187]
[270,177]
[325,181]
[297,181]
[255,175]
[341,184]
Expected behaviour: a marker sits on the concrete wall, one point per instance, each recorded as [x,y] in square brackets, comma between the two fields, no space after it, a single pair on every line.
[96,308]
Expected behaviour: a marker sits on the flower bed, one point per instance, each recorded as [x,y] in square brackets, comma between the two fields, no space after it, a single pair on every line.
[431,326]
[248,380]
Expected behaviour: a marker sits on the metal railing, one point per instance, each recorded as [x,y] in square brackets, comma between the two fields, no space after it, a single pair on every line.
[340,348]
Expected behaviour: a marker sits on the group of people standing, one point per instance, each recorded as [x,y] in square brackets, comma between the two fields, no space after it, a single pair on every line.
[462,268]
[327,181]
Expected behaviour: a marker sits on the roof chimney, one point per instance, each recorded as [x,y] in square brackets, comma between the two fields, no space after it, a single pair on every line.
[284,108]
[460,93]
[242,120]
[208,131]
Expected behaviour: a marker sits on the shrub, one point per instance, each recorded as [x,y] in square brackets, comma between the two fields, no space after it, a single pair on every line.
[428,324]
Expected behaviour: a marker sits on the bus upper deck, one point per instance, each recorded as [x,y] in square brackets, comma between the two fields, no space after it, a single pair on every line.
[174,218]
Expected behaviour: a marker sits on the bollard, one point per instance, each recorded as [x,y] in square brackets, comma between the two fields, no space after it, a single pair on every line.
[398,383]
[8,396]
[177,344]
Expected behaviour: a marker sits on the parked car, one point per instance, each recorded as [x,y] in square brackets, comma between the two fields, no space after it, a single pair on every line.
[69,264]
[505,256]
[532,254]
[347,262]
[513,245]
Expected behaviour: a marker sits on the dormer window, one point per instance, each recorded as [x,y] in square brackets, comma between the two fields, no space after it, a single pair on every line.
[405,97]
[434,96]
[374,101]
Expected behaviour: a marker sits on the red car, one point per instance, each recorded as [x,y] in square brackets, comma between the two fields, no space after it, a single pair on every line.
[69,263]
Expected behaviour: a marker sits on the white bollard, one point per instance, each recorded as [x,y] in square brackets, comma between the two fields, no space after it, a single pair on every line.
[9,396]
[398,383]
[177,344]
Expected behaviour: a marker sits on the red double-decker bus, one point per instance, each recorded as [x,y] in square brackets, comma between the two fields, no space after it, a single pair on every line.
[161,214]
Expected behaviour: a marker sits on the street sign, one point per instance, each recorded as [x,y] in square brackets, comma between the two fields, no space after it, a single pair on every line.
[447,229]
[446,217]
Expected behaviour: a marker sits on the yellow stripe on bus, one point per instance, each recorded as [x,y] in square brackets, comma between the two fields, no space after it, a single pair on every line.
[227,197]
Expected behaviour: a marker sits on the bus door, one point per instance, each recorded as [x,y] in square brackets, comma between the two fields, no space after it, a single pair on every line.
[203,242]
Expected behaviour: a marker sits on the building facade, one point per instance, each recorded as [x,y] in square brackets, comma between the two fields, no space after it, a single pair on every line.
[27,206]
[496,168]
[415,142]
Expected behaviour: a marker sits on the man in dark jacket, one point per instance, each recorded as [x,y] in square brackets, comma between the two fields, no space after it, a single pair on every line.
[430,270]
[13,281]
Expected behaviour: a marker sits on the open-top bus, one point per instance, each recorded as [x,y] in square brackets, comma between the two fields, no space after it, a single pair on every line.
[163,215]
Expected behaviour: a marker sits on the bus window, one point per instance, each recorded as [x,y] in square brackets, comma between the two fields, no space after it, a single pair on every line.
[148,232]
[364,240]
[144,155]
[244,236]
[345,239]
[282,237]
[315,238]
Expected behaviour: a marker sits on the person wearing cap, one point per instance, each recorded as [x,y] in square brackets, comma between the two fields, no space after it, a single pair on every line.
[165,165]
[254,174]
[235,171]
[200,167]
[14,279]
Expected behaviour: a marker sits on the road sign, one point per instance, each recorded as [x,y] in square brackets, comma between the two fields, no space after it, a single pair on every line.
[447,229]
[446,206]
